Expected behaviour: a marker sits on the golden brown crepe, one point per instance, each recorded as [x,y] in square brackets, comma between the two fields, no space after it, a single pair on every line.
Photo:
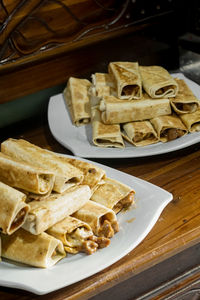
[24,176]
[105,135]
[115,111]
[127,79]
[169,128]
[41,250]
[101,219]
[192,121]
[114,195]
[77,236]
[77,99]
[185,101]
[157,82]
[66,175]
[102,85]
[44,214]
[139,133]
[13,209]
[93,175]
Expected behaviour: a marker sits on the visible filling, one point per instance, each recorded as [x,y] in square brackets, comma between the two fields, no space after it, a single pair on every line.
[196,126]
[124,203]
[19,218]
[107,228]
[84,121]
[140,136]
[189,107]
[44,182]
[164,89]
[172,133]
[102,141]
[56,253]
[129,90]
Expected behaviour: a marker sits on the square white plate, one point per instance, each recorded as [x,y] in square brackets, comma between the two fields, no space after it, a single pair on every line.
[79,139]
[134,224]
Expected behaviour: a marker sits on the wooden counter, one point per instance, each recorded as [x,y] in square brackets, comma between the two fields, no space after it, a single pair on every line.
[169,255]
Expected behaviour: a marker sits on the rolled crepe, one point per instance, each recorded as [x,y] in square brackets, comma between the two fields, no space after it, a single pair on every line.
[115,111]
[192,121]
[127,79]
[169,128]
[41,250]
[13,209]
[77,236]
[157,82]
[44,214]
[77,99]
[114,195]
[24,176]
[66,175]
[101,219]
[93,175]
[102,85]
[185,101]
[105,135]
[139,133]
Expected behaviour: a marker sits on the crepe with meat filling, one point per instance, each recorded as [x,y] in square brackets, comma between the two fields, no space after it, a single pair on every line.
[77,236]
[157,82]
[105,135]
[102,85]
[114,195]
[77,99]
[66,175]
[101,219]
[24,176]
[169,128]
[127,79]
[185,101]
[44,214]
[115,111]
[139,133]
[192,121]
[41,250]
[13,209]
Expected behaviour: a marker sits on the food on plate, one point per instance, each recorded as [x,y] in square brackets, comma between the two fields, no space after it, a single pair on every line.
[115,111]
[41,250]
[105,135]
[13,209]
[101,219]
[192,121]
[114,195]
[185,101]
[47,212]
[140,133]
[25,176]
[77,99]
[77,236]
[157,82]
[66,175]
[127,79]
[169,127]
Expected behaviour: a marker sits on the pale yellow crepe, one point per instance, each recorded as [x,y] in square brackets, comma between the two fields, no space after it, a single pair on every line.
[77,99]
[127,79]
[192,121]
[105,135]
[115,111]
[114,195]
[185,101]
[157,82]
[169,128]
[66,175]
[13,209]
[139,133]
[41,250]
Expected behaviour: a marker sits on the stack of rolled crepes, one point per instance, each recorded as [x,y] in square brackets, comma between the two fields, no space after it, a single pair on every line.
[52,205]
[139,104]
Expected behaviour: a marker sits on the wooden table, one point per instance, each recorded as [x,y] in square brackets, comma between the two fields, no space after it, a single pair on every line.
[166,263]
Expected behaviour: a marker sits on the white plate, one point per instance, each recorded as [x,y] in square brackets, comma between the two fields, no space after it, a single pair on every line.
[135,224]
[79,139]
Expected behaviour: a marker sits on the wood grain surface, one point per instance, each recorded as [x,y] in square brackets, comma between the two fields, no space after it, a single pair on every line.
[178,227]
